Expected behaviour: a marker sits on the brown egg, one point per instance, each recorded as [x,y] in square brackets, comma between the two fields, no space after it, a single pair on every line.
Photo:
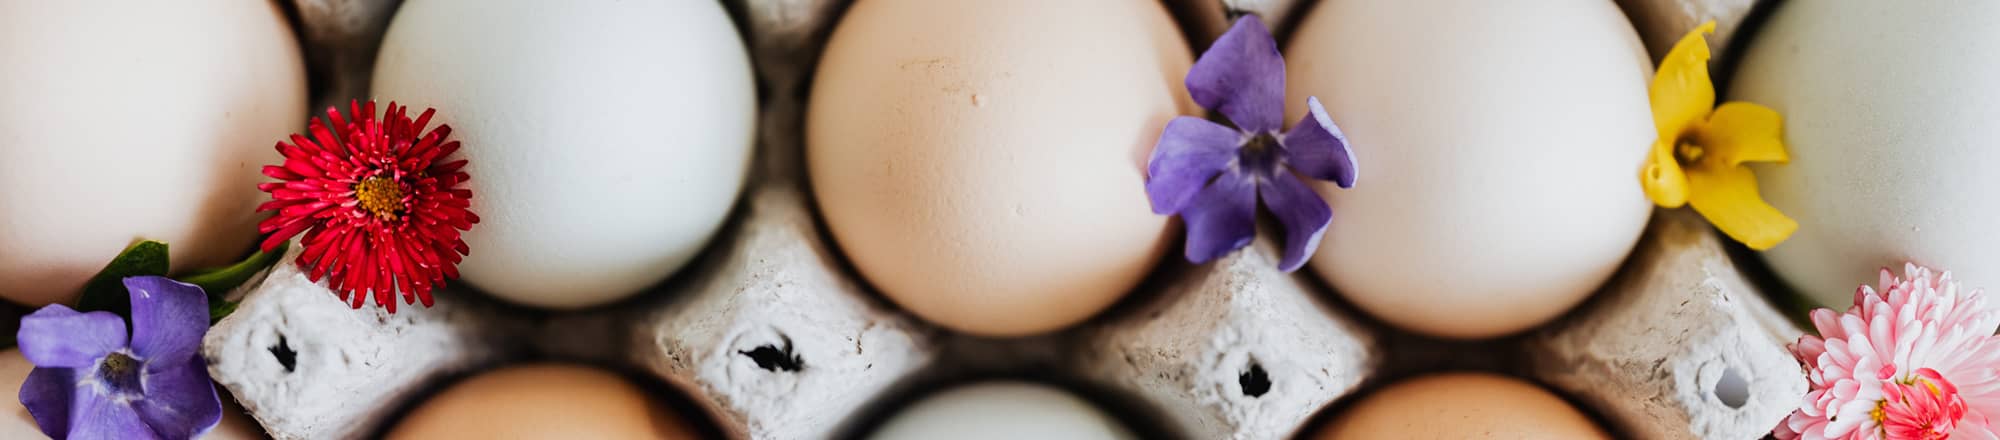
[983,163]
[15,422]
[1462,406]
[543,401]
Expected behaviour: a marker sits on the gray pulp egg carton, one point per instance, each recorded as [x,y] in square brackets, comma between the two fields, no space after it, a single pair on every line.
[773,337]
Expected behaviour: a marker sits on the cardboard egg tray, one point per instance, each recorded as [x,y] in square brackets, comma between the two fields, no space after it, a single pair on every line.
[773,336]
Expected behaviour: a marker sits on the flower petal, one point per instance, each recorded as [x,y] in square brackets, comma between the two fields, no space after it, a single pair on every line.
[1303,213]
[1191,151]
[1727,196]
[1316,148]
[1223,217]
[1664,181]
[1242,76]
[1744,132]
[57,336]
[1682,93]
[103,417]
[180,399]
[47,393]
[168,318]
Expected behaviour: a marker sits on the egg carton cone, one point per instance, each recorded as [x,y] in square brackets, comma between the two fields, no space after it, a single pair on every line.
[1203,20]
[340,38]
[1661,23]
[1678,345]
[307,365]
[1231,349]
[776,342]
[774,338]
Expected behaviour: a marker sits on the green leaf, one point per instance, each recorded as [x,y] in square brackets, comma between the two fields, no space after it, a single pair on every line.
[218,282]
[106,290]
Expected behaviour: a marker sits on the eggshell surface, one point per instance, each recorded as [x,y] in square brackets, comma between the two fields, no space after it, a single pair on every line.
[1002,410]
[982,163]
[607,139]
[122,121]
[543,401]
[1499,145]
[1461,406]
[1888,114]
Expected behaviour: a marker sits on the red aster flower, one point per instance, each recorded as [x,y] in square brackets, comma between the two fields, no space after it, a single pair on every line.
[380,207]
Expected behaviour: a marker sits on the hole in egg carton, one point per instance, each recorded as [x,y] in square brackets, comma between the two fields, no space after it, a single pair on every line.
[283,352]
[776,357]
[1732,388]
[1254,380]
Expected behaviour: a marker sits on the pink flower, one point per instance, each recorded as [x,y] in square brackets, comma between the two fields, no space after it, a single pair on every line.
[1927,409]
[1868,364]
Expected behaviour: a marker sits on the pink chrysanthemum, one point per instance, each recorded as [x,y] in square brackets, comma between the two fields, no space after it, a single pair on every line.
[1867,366]
[380,207]
[1927,408]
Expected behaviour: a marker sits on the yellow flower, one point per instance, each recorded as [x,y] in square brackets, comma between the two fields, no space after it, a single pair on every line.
[1700,155]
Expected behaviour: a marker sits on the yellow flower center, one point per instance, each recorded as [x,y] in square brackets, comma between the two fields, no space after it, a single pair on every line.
[380,196]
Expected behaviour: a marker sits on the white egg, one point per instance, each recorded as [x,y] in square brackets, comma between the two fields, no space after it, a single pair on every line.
[607,139]
[1499,146]
[122,121]
[1889,111]
[1002,410]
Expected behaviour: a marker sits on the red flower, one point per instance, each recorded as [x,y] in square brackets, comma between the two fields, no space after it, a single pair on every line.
[380,209]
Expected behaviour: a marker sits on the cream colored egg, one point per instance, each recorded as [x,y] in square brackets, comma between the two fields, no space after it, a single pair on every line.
[1002,410]
[607,139]
[1456,406]
[1500,144]
[15,422]
[544,401]
[1889,111]
[122,121]
[982,163]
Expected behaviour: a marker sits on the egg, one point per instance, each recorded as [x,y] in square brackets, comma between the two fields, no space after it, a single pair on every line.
[122,121]
[982,163]
[15,422]
[1001,410]
[1461,406]
[607,139]
[1499,145]
[543,401]
[1888,115]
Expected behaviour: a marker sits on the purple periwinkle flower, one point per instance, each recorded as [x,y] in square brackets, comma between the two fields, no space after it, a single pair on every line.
[92,382]
[1213,175]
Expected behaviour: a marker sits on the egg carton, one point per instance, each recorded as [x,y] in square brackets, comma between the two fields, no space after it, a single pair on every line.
[772,335]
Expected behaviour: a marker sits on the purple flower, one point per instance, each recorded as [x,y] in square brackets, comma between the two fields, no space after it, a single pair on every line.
[90,382]
[1213,175]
